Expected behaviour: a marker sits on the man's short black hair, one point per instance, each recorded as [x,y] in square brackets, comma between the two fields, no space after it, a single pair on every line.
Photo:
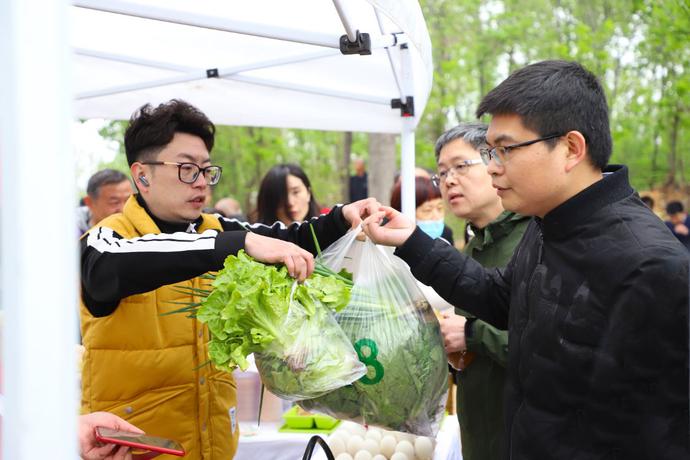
[554,97]
[674,207]
[101,178]
[151,129]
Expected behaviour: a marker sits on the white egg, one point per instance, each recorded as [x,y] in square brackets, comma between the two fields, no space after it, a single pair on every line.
[354,444]
[387,445]
[344,456]
[349,426]
[374,434]
[337,435]
[359,429]
[363,455]
[336,444]
[379,457]
[399,456]
[371,446]
[399,436]
[423,448]
[406,448]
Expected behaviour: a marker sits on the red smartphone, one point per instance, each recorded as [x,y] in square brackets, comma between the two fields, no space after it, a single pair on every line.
[139,441]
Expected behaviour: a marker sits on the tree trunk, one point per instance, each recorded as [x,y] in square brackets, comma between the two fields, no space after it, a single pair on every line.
[381,166]
[673,153]
[347,158]
[655,155]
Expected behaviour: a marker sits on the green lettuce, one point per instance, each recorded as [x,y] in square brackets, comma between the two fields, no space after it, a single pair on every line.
[300,350]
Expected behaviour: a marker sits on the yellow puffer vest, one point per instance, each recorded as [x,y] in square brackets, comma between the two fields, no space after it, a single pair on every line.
[146,369]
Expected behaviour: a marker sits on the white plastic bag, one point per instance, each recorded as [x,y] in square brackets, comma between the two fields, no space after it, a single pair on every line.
[397,335]
[317,354]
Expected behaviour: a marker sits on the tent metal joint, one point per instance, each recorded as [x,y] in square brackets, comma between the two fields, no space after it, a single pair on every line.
[212,73]
[406,108]
[361,45]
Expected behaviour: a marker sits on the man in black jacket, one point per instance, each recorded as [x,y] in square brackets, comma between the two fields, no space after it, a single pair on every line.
[596,294]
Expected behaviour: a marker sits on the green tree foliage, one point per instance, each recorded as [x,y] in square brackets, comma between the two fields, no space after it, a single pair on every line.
[639,48]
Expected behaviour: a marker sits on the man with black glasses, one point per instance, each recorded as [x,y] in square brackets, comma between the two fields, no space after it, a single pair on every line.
[148,368]
[595,298]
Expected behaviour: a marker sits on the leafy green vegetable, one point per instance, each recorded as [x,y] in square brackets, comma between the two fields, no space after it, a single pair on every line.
[409,396]
[300,350]
[397,336]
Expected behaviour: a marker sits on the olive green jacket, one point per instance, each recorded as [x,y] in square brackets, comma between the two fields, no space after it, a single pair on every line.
[480,385]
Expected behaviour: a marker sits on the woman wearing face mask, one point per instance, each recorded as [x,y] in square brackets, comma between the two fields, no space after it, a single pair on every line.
[429,208]
[285,195]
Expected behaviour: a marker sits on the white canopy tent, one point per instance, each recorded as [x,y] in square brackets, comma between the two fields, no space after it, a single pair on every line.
[348,65]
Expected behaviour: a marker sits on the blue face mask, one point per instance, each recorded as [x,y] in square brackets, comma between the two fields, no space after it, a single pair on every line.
[433,228]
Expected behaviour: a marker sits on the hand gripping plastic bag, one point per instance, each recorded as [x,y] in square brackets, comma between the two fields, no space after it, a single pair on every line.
[299,348]
[397,335]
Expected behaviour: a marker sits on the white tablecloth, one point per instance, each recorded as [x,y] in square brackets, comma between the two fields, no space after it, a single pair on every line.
[269,444]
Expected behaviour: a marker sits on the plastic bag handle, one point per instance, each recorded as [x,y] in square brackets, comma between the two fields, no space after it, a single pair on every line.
[309,451]
[343,245]
[292,308]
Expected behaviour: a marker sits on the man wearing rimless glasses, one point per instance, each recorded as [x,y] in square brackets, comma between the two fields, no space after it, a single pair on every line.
[144,366]
[595,297]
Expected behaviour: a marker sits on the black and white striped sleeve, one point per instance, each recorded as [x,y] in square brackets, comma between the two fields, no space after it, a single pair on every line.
[113,267]
[327,227]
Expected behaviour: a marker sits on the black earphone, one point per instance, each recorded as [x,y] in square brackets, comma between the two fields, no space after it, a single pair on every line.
[143,180]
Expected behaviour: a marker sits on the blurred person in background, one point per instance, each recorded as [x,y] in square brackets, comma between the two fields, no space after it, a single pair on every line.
[678,222]
[429,209]
[285,195]
[230,208]
[648,200]
[358,182]
[106,193]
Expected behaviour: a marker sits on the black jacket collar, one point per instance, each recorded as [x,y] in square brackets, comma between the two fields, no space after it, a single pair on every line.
[569,215]
[165,226]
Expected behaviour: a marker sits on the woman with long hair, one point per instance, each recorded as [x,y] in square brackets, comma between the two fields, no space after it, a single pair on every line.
[285,195]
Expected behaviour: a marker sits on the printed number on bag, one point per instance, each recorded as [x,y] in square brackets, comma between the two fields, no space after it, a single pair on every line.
[367,351]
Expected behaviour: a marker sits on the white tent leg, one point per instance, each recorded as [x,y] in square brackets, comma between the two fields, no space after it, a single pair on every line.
[407,160]
[39,240]
[407,177]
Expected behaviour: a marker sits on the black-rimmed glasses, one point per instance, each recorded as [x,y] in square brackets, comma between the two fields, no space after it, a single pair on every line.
[189,172]
[456,170]
[498,154]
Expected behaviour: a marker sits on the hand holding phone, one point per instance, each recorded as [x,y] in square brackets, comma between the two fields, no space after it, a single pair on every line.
[138,441]
[90,448]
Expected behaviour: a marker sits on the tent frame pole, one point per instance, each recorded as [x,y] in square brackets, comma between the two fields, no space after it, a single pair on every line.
[351,33]
[407,140]
[224,24]
[132,60]
[310,89]
[394,69]
[191,74]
